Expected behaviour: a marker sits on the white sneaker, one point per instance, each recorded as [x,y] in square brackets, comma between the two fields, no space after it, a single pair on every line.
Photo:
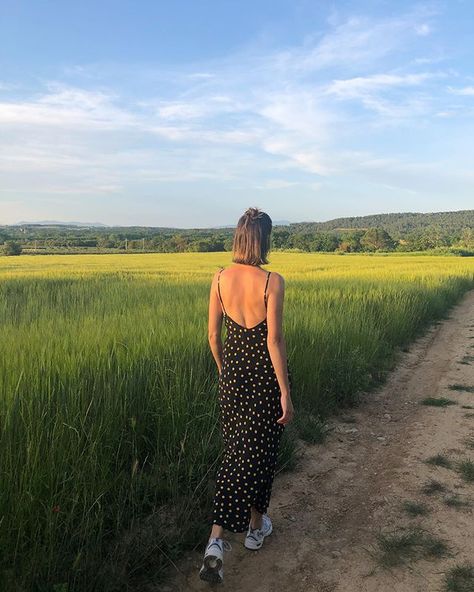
[212,569]
[255,536]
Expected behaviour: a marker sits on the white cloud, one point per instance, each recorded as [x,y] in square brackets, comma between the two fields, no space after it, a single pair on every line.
[358,41]
[361,85]
[467,91]
[67,107]
[277,184]
[423,29]
[243,117]
[7,86]
[199,108]
[181,111]
[201,75]
[296,111]
[387,94]
[446,114]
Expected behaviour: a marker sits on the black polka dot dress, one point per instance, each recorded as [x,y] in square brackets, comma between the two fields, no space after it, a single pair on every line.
[249,402]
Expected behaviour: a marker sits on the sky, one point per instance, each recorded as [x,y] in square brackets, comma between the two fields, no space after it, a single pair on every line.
[184,113]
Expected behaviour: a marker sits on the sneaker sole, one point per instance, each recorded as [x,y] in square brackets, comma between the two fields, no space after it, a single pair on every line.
[209,571]
[256,546]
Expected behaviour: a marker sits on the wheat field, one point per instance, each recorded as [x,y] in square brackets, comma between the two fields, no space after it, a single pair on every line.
[109,431]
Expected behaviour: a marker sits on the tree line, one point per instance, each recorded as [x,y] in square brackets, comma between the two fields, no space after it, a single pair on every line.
[446,231]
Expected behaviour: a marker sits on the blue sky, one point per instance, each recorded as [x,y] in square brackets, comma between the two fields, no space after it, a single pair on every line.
[185,113]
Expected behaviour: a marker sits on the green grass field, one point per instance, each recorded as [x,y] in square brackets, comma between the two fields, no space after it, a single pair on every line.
[109,432]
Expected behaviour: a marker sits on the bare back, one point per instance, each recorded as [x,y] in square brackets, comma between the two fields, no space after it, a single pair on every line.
[242,292]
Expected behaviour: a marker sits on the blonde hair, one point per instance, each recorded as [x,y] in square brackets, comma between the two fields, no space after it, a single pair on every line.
[252,238]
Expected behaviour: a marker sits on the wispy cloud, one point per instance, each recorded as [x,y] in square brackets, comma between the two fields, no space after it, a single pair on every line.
[423,29]
[362,85]
[359,41]
[256,117]
[467,91]
[67,107]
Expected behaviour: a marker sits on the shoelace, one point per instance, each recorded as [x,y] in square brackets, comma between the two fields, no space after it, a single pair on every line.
[253,532]
[260,531]
[226,546]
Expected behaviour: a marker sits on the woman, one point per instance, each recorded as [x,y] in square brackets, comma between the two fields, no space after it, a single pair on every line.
[254,389]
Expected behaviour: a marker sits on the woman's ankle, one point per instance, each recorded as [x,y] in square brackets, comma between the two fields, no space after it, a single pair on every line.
[256,521]
[216,533]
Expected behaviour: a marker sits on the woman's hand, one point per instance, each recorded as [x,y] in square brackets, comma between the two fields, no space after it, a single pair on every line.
[288,411]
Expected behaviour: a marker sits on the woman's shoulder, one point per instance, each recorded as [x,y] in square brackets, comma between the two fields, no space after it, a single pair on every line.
[276,274]
[276,279]
[216,274]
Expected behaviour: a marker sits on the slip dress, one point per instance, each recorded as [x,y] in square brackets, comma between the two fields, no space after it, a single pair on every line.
[249,405]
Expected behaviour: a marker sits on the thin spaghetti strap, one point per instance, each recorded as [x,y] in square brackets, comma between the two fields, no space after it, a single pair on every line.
[219,289]
[265,293]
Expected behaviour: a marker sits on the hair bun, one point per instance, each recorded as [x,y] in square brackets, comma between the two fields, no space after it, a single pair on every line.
[253,214]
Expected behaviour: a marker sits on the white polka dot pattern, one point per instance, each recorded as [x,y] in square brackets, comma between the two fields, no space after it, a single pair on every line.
[249,402]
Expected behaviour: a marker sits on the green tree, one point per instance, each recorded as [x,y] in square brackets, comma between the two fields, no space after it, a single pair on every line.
[377,239]
[104,242]
[280,239]
[206,245]
[350,240]
[12,248]
[324,241]
[179,243]
[467,238]
[430,238]
[302,241]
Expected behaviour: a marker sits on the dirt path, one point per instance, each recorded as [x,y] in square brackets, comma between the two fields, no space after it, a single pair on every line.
[328,512]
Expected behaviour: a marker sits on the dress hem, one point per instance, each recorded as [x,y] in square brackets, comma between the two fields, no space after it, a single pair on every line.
[230,529]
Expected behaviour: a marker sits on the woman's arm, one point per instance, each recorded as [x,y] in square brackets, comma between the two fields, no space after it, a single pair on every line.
[215,324]
[277,345]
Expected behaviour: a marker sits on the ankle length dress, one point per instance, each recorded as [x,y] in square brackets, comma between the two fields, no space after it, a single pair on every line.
[249,404]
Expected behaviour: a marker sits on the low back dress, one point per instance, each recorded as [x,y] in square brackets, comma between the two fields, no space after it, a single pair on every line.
[249,404]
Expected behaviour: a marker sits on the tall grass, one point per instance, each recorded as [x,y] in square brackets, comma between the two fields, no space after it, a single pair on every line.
[109,434]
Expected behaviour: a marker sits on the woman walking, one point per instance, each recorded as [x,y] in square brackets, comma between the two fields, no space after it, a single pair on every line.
[254,389]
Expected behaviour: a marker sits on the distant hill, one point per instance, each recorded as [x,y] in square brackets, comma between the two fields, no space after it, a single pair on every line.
[274,223]
[74,224]
[406,231]
[59,223]
[397,225]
